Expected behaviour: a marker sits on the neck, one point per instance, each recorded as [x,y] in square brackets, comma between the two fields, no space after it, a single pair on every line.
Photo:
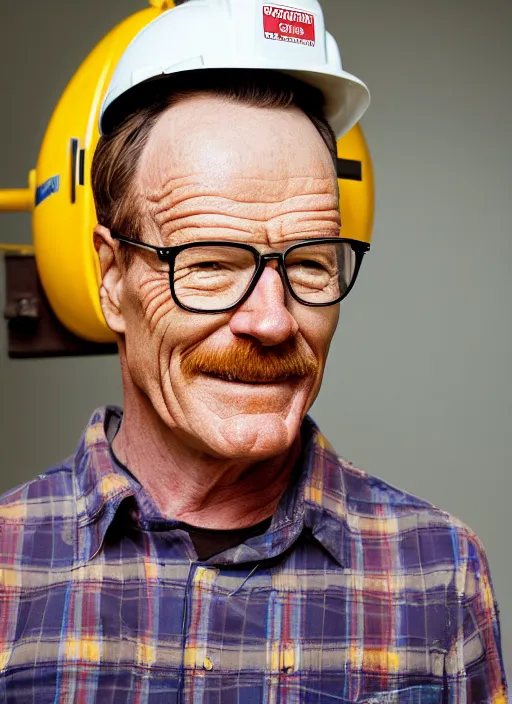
[192,486]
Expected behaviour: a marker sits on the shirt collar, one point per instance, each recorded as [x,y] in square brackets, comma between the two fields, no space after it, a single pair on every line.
[102,487]
[315,500]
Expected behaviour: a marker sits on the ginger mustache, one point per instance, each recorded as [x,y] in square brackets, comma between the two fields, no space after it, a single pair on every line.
[248,362]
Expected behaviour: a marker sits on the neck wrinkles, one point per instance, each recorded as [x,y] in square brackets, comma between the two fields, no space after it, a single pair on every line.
[193,487]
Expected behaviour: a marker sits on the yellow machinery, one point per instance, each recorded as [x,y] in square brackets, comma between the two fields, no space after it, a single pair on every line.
[60,198]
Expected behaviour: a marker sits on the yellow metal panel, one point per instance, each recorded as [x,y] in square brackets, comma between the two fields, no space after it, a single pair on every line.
[65,255]
[357,198]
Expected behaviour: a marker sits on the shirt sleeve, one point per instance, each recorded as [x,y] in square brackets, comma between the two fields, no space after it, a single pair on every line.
[474,668]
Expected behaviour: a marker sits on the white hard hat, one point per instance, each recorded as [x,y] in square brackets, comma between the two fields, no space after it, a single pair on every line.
[243,34]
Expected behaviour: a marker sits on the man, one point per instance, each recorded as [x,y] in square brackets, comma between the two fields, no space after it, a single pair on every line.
[206,544]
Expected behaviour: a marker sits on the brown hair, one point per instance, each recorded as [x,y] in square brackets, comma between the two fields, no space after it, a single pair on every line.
[129,121]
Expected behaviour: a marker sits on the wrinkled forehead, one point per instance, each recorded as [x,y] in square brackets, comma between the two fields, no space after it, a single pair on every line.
[232,145]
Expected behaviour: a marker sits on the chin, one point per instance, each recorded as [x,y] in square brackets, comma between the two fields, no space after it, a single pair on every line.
[254,437]
[238,421]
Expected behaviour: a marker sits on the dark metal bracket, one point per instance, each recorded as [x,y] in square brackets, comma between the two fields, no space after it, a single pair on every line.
[33,330]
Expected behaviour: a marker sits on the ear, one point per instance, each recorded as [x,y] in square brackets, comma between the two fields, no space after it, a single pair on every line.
[111,278]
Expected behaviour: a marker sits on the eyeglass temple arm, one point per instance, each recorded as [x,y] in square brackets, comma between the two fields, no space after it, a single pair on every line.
[135,243]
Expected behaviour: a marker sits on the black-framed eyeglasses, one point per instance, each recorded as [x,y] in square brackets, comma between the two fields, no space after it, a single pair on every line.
[217,276]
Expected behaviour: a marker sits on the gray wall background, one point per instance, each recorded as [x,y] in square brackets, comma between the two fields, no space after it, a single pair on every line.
[418,388]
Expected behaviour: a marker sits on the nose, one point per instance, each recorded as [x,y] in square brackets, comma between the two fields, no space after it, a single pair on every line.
[264,315]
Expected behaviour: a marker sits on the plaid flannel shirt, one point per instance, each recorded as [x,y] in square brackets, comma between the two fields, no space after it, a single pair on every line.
[357,592]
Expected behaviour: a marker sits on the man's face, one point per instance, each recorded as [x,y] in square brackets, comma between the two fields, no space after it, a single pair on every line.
[218,170]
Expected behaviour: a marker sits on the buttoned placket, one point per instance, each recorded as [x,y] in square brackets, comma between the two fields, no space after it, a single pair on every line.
[197,661]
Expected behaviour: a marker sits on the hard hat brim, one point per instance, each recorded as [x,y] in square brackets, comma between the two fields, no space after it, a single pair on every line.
[346,96]
[351,100]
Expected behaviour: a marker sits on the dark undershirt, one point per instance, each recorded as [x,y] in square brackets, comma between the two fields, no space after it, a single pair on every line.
[207,541]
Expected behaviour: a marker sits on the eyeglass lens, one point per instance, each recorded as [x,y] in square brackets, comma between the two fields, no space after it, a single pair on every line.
[215,277]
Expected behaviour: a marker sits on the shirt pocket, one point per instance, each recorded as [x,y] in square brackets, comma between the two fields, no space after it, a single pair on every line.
[417,694]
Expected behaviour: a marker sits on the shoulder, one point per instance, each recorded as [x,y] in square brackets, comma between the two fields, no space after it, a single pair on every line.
[380,518]
[53,494]
[424,535]
[51,486]
[369,495]
[36,511]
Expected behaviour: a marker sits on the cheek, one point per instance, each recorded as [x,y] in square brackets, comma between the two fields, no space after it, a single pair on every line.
[317,326]
[158,330]
[147,308]
[155,303]
[147,302]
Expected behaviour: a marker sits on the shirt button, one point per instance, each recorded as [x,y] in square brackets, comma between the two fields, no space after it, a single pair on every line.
[288,658]
[208,664]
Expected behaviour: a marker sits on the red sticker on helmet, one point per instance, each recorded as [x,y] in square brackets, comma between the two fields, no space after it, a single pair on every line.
[289,25]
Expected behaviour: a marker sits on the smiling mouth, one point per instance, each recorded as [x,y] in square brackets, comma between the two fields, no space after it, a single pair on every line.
[251,381]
